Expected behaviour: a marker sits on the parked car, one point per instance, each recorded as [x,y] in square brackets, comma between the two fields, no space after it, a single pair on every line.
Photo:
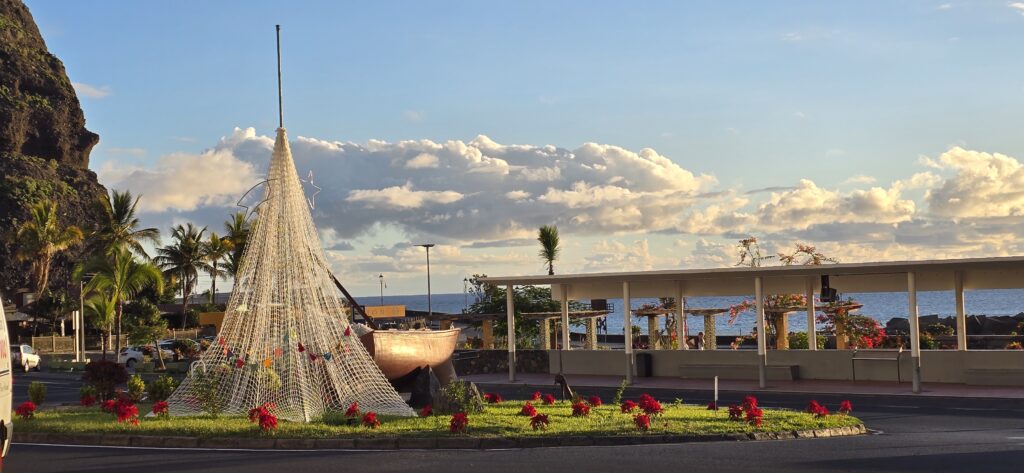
[130,356]
[25,356]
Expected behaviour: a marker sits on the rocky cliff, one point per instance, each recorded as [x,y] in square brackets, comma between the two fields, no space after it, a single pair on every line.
[44,145]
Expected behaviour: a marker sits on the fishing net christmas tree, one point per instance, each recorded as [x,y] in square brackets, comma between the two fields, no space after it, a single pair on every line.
[285,337]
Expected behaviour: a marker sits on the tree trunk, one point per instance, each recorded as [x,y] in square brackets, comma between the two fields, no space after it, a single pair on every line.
[104,343]
[213,286]
[117,338]
[159,354]
[186,290]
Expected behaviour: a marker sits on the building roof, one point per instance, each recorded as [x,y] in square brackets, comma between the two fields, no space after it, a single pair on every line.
[885,276]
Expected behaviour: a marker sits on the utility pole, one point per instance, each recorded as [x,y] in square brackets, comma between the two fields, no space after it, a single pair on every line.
[430,308]
[381,277]
[465,295]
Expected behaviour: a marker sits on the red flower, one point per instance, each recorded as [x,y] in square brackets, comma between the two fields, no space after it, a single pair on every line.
[642,421]
[528,410]
[594,401]
[427,411]
[754,416]
[160,408]
[126,411]
[549,399]
[846,407]
[459,423]
[580,409]
[627,406]
[370,420]
[649,405]
[239,363]
[735,412]
[539,421]
[813,407]
[108,405]
[712,406]
[536,396]
[26,410]
[493,398]
[749,402]
[348,331]
[264,415]
[353,410]
[87,400]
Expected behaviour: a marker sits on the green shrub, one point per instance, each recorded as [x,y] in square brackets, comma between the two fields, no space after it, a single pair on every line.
[161,388]
[105,375]
[460,396]
[37,392]
[87,390]
[136,387]
[939,330]
[798,341]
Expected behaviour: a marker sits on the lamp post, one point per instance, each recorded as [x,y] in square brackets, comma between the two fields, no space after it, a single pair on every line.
[381,289]
[79,325]
[430,309]
[465,295]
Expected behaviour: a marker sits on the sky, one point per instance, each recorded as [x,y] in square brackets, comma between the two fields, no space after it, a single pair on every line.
[653,134]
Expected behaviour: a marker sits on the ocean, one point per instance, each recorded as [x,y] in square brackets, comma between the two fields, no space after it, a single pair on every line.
[882,306]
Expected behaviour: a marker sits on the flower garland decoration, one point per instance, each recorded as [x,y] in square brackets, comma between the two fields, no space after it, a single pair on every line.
[26,410]
[580,409]
[459,423]
[528,410]
[370,420]
[539,422]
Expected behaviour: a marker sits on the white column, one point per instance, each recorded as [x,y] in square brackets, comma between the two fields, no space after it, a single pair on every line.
[510,313]
[961,313]
[681,317]
[566,345]
[762,342]
[628,329]
[915,342]
[812,328]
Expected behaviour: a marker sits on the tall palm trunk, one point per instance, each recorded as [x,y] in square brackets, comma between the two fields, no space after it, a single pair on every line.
[186,290]
[104,343]
[117,338]
[213,286]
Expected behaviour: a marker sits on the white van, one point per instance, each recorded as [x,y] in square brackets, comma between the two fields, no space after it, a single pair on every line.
[6,386]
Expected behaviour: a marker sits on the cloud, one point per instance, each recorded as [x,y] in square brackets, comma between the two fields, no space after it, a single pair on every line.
[1018,6]
[133,152]
[944,6]
[402,197]
[422,161]
[860,179]
[91,91]
[983,185]
[413,115]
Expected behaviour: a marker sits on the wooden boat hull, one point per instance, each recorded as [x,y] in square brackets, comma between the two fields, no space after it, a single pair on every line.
[400,352]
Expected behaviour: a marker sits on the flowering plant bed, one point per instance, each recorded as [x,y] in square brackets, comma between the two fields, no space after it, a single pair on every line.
[503,420]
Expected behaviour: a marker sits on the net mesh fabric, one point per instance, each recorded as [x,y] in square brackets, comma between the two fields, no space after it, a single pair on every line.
[285,337]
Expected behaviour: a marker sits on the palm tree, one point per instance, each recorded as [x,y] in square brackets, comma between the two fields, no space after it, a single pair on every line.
[548,238]
[237,228]
[100,309]
[41,238]
[185,258]
[122,277]
[217,248]
[121,226]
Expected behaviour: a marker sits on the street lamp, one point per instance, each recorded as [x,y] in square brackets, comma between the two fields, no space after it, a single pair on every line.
[381,289]
[465,295]
[430,308]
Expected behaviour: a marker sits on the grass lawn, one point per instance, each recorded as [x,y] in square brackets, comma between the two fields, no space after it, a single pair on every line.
[498,420]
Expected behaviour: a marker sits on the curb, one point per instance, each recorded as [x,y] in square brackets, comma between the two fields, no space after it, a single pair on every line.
[418,443]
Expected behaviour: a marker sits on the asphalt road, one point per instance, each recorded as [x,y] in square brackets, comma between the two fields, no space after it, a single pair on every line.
[911,435]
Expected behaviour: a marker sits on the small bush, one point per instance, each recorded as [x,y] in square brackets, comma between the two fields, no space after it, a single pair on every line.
[798,341]
[104,375]
[37,392]
[161,388]
[136,388]
[460,396]
[87,395]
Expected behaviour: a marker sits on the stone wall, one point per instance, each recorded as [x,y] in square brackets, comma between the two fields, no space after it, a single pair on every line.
[496,361]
